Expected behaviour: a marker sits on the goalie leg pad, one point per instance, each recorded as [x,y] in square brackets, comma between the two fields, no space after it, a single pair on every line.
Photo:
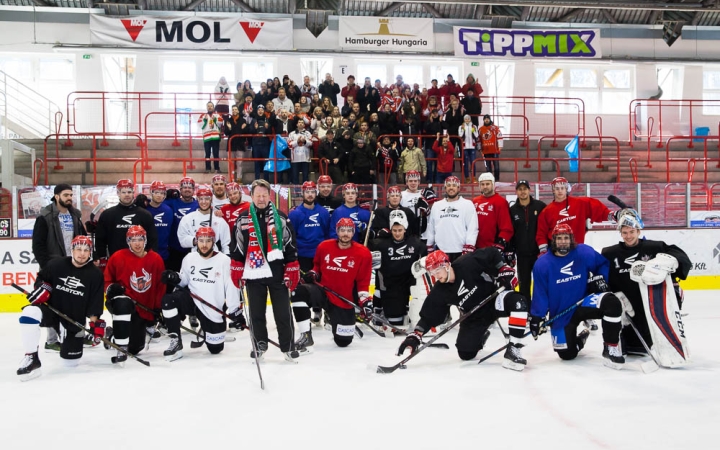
[665,324]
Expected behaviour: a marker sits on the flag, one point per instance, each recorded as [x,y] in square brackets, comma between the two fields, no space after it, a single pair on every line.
[573,151]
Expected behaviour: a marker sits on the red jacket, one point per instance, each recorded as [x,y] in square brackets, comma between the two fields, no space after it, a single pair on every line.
[445,161]
[477,89]
[353,91]
[573,211]
[448,89]
[493,220]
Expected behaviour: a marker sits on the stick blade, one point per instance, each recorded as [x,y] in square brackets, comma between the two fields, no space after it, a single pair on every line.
[440,345]
[381,369]
[649,366]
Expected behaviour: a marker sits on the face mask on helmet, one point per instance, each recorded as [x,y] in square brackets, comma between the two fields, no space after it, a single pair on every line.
[629,218]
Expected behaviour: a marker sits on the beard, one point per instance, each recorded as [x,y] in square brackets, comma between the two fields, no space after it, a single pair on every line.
[206,254]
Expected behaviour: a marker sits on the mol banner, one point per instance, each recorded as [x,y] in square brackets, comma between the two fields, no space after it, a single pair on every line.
[574,43]
[192,32]
[386,34]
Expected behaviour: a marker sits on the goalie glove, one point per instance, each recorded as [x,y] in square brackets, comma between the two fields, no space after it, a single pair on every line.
[418,267]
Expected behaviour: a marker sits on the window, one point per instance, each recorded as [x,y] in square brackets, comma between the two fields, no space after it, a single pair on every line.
[711,91]
[213,70]
[411,74]
[179,71]
[440,73]
[56,69]
[374,71]
[607,91]
[257,72]
[20,69]
[315,69]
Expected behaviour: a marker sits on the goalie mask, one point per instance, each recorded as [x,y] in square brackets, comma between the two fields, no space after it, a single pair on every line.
[629,218]
[562,248]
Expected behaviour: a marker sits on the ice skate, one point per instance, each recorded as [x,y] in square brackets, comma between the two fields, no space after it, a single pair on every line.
[174,351]
[261,349]
[52,348]
[121,357]
[513,358]
[591,325]
[316,318]
[612,356]
[304,344]
[29,367]
[153,334]
[292,356]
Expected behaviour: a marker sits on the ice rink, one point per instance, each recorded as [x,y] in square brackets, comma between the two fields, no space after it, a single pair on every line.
[333,399]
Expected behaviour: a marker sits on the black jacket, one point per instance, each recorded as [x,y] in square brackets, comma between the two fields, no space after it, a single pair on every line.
[524,220]
[47,238]
[331,90]
[112,227]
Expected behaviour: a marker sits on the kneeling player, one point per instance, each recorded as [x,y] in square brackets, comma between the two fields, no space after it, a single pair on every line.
[562,278]
[465,283]
[73,287]
[133,276]
[343,266]
[205,274]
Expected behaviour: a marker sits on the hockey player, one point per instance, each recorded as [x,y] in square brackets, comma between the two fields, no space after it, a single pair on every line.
[232,210]
[75,288]
[203,217]
[465,283]
[412,193]
[206,274]
[343,266]
[220,197]
[622,256]
[453,224]
[351,210]
[564,277]
[163,216]
[380,226]
[325,197]
[265,260]
[182,203]
[493,214]
[419,201]
[524,214]
[573,211]
[113,223]
[394,278]
[133,276]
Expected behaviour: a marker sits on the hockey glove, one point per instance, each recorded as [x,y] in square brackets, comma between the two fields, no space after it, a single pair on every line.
[98,331]
[311,277]
[543,249]
[291,278]
[237,269]
[467,248]
[418,267]
[113,290]
[376,260]
[238,319]
[141,201]
[172,193]
[170,277]
[535,329]
[412,341]
[500,244]
[507,278]
[422,207]
[102,263]
[510,258]
[366,308]
[91,226]
[40,295]
[596,285]
[429,196]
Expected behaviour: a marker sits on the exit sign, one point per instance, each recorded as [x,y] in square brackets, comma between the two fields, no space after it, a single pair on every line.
[87,56]
[474,64]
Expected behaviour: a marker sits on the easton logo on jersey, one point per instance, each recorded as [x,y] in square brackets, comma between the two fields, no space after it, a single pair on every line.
[567,270]
[338,261]
[314,219]
[449,211]
[204,272]
[462,290]
[564,211]
[159,217]
[128,218]
[183,211]
[71,286]
[141,284]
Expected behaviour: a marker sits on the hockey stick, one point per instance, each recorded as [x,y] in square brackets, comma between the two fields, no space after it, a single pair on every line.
[543,328]
[374,316]
[463,316]
[616,201]
[372,216]
[253,343]
[648,366]
[400,331]
[222,313]
[82,327]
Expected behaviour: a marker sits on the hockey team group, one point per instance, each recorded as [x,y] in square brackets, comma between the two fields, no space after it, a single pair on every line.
[197,262]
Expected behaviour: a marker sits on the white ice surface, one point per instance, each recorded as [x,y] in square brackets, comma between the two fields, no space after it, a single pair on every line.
[333,399]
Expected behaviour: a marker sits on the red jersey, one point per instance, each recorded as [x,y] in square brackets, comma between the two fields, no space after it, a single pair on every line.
[139,276]
[573,211]
[445,161]
[493,220]
[491,139]
[231,212]
[345,271]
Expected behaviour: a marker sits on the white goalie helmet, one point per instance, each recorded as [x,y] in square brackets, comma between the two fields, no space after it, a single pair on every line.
[399,217]
[629,218]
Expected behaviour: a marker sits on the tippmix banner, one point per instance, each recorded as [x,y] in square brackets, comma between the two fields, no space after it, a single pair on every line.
[572,43]
[386,34]
[192,32]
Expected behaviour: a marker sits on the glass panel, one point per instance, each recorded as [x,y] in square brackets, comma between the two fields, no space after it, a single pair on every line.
[187,101]
[584,78]
[616,79]
[411,73]
[547,77]
[257,72]
[712,108]
[179,71]
[591,99]
[615,102]
[711,79]
[440,73]
[17,68]
[213,70]
[56,69]
[374,71]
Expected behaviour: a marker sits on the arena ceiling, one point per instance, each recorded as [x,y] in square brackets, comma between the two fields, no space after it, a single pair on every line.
[500,13]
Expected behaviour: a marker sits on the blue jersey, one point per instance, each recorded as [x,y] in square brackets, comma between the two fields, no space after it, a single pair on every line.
[163,217]
[559,282]
[360,216]
[312,226]
[180,209]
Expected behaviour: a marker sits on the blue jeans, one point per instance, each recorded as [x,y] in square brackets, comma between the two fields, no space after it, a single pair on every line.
[214,147]
[260,149]
[440,177]
[298,167]
[468,159]
[431,165]
[493,165]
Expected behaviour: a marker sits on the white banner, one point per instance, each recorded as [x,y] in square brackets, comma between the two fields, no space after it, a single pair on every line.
[17,265]
[386,34]
[553,43]
[192,32]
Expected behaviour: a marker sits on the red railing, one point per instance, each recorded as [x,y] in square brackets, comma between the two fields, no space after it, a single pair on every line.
[37,172]
[671,115]
[525,135]
[600,159]
[668,159]
[633,169]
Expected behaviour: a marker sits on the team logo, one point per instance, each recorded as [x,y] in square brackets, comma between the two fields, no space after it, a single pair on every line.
[141,284]
[339,260]
[401,250]
[462,290]
[159,217]
[128,218]
[450,209]
[354,217]
[567,270]
[631,259]
[205,223]
[252,29]
[351,263]
[204,272]
[183,211]
[481,207]
[564,211]
[133,27]
[72,282]
[314,218]
[411,250]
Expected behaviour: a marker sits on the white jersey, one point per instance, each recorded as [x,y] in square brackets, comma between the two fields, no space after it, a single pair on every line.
[218,202]
[409,199]
[452,225]
[196,219]
[210,280]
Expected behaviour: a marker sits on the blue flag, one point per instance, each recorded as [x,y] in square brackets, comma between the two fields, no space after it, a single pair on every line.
[573,151]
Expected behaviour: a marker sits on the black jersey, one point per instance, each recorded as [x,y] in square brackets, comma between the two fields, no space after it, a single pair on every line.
[397,259]
[112,227]
[330,203]
[381,220]
[475,275]
[77,291]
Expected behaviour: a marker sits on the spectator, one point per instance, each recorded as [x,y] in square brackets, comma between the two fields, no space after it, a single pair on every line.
[472,85]
[323,126]
[450,88]
[347,108]
[282,102]
[247,88]
[400,84]
[307,89]
[410,128]
[329,89]
[365,134]
[445,153]
[361,164]
[222,96]
[239,95]
[263,96]
[350,90]
[368,97]
[387,156]
[260,126]
[468,134]
[388,122]
[234,127]
[299,116]
[327,106]
[247,108]
[305,104]
[491,142]
[283,124]
[472,106]
[453,119]
[211,124]
[374,124]
[412,158]
[300,141]
[432,127]
[346,144]
[331,150]
[434,90]
[293,93]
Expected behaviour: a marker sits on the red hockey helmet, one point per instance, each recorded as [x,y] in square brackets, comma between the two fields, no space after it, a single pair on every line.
[205,232]
[560,181]
[157,186]
[232,187]
[350,187]
[125,184]
[81,240]
[452,180]
[187,182]
[219,178]
[203,191]
[324,179]
[309,186]
[135,231]
[345,222]
[412,175]
[394,190]
[562,229]
[436,260]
